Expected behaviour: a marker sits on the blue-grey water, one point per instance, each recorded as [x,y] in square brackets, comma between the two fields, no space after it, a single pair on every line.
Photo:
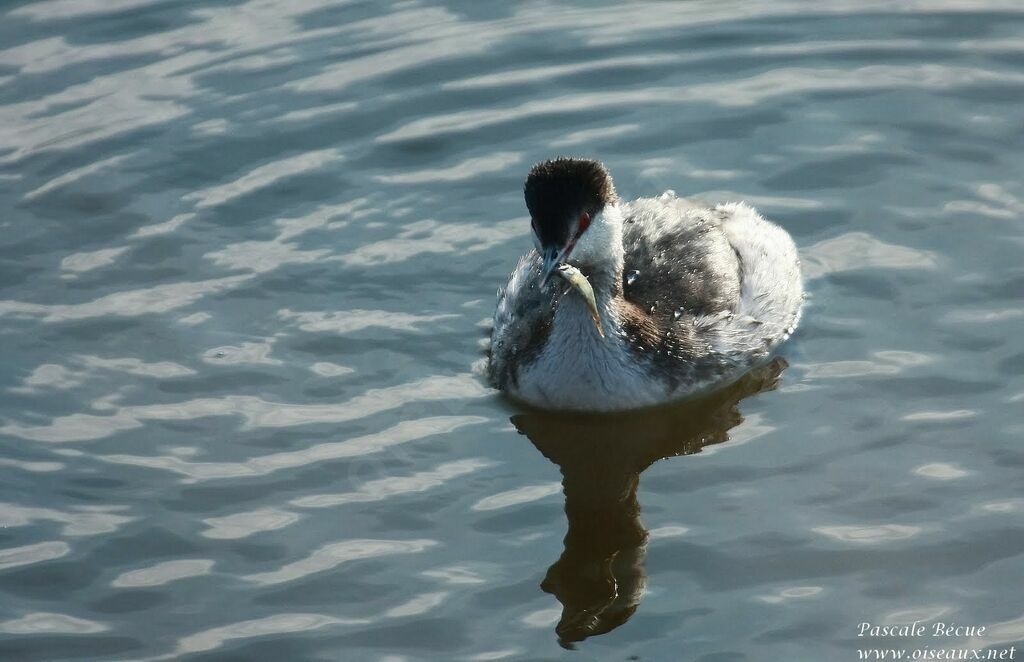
[249,250]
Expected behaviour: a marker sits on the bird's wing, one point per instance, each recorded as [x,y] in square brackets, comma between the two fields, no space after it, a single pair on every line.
[679,263]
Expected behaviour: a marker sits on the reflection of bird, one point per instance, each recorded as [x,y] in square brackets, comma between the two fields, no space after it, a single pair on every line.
[600,577]
[663,297]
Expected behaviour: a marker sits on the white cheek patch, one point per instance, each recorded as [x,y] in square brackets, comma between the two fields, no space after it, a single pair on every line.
[602,241]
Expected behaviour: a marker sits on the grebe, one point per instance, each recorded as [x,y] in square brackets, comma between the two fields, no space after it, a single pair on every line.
[658,299]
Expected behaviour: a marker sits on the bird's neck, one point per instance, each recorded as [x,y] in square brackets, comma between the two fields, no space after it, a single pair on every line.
[599,256]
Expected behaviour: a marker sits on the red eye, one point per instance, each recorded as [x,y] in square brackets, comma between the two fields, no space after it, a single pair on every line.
[584,222]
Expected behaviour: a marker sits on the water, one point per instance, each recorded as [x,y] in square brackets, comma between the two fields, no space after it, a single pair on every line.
[249,248]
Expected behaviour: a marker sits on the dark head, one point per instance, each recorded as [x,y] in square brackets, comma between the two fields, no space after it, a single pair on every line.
[565,195]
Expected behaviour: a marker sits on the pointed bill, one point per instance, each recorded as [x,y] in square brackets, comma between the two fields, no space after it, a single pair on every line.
[579,282]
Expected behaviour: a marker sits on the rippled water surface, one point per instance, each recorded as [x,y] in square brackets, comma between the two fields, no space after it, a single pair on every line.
[249,250]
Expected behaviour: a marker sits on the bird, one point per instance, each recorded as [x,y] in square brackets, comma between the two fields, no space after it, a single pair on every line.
[625,305]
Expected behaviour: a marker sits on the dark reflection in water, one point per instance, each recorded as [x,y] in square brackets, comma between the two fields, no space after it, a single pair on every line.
[600,577]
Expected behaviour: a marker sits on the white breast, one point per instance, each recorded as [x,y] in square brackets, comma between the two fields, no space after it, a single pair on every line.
[578,369]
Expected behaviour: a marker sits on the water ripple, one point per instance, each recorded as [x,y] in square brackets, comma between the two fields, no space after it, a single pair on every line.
[400,433]
[859,250]
[378,490]
[349,321]
[420,604]
[256,413]
[127,303]
[84,521]
[332,555]
[744,92]
[163,573]
[517,496]
[869,535]
[243,525]
[49,623]
[13,557]
[277,624]
[468,169]
[263,176]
